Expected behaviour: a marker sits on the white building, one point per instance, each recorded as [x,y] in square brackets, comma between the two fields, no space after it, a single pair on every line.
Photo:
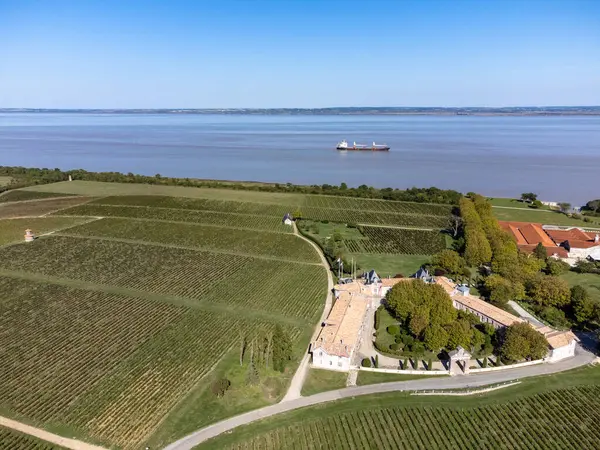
[562,343]
[336,344]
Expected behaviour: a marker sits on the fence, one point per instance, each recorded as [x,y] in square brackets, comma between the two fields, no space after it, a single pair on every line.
[406,372]
[508,366]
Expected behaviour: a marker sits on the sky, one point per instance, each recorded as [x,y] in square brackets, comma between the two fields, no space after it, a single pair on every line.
[298,53]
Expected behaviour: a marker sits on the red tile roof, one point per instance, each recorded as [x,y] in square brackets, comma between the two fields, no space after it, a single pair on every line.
[529,235]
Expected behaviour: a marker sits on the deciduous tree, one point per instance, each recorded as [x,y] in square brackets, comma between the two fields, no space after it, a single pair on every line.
[528,197]
[449,260]
[546,290]
[521,342]
[435,338]
[582,304]
[459,333]
[540,251]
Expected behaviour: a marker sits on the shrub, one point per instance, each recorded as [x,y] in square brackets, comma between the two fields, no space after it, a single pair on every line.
[220,386]
[407,340]
[418,348]
[405,364]
[430,364]
[377,318]
[324,221]
[398,339]
[394,347]
[366,362]
[376,361]
[393,330]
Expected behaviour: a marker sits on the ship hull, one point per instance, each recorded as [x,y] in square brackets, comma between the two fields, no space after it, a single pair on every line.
[364,149]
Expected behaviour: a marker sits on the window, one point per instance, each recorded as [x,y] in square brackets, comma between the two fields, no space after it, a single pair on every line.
[331,363]
[340,364]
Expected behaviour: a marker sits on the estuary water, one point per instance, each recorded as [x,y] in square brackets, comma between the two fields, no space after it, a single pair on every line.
[556,157]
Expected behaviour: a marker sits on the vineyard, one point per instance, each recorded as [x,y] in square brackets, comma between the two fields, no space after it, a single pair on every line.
[561,419]
[13,440]
[346,210]
[38,207]
[12,230]
[107,364]
[18,195]
[255,222]
[396,240]
[249,242]
[174,271]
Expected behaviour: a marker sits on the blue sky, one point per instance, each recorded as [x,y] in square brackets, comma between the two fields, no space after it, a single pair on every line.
[298,53]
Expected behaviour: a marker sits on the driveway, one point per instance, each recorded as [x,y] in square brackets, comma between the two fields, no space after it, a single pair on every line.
[524,314]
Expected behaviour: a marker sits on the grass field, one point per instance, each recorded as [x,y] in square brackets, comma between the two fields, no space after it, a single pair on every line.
[18,195]
[13,440]
[5,181]
[13,230]
[36,208]
[590,281]
[514,203]
[552,412]
[365,377]
[319,380]
[113,330]
[543,217]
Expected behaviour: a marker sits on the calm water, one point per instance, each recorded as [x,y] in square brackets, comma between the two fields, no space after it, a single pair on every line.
[557,157]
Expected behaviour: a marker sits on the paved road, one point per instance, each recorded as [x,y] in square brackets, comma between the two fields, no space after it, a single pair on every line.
[524,314]
[46,436]
[581,358]
[295,389]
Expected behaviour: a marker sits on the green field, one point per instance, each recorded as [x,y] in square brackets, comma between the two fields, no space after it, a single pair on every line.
[590,281]
[390,265]
[365,377]
[320,380]
[514,203]
[553,412]
[13,440]
[113,330]
[543,217]
[18,195]
[13,230]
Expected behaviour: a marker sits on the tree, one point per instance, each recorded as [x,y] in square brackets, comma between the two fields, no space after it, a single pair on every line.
[556,267]
[528,197]
[546,290]
[582,304]
[220,386]
[593,205]
[459,333]
[282,349]
[521,342]
[297,215]
[477,247]
[536,204]
[419,320]
[435,338]
[540,252]
[449,260]
[500,290]
[564,207]
[454,223]
[477,340]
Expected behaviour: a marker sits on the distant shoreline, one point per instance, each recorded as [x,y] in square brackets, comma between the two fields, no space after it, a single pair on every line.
[345,111]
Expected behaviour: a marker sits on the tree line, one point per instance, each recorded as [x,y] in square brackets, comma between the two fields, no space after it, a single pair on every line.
[26,176]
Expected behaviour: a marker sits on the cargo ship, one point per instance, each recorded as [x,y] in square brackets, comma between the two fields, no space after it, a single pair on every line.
[367,148]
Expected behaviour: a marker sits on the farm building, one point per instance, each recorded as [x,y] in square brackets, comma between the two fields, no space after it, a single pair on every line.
[561,343]
[336,344]
[570,243]
[287,219]
[29,236]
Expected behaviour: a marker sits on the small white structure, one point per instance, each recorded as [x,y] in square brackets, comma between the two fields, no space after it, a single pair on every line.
[562,343]
[29,236]
[70,178]
[459,359]
[287,219]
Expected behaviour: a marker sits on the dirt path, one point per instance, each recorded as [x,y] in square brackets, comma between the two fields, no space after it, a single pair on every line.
[295,389]
[47,436]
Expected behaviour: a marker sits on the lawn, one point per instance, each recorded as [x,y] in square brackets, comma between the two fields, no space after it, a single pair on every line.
[319,380]
[390,265]
[543,217]
[366,377]
[126,323]
[590,281]
[533,414]
[513,203]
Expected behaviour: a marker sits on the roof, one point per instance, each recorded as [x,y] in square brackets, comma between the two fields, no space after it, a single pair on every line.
[576,237]
[557,339]
[529,235]
[340,333]
[496,314]
[595,254]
